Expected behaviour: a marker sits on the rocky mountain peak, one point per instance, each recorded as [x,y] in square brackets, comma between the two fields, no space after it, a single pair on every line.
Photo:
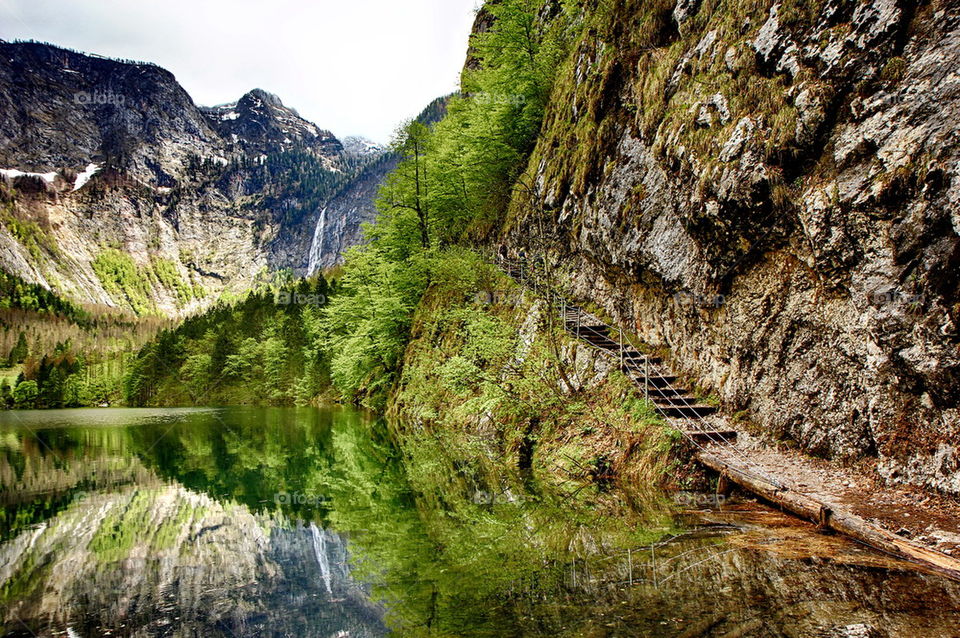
[357,146]
[259,96]
[259,122]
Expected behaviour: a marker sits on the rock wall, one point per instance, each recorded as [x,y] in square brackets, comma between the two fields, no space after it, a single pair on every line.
[770,190]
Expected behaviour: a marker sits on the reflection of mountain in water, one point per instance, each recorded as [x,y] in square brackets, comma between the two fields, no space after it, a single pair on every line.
[168,561]
[173,528]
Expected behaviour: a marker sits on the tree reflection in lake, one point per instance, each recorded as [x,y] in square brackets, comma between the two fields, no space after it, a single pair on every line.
[304,522]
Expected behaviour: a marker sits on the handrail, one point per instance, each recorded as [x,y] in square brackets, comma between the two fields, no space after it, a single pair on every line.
[703,426]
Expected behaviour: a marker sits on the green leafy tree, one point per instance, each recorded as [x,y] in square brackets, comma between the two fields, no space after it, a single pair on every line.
[6,393]
[25,395]
[75,392]
[19,351]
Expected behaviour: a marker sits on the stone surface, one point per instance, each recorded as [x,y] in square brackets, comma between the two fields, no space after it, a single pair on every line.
[835,256]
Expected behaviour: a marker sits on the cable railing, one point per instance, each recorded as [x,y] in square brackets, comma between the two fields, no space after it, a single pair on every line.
[527,277]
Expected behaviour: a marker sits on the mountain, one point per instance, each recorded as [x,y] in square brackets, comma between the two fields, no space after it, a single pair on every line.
[259,123]
[340,223]
[117,190]
[769,193]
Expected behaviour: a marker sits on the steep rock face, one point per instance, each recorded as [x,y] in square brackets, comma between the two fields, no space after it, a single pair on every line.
[339,224]
[260,123]
[770,191]
[118,190]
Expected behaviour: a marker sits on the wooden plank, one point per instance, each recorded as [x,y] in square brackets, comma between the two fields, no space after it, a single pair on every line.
[838,520]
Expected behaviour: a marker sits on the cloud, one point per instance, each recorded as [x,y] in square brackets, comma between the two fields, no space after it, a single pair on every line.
[352,66]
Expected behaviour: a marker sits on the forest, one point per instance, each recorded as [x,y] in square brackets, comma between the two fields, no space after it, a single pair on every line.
[449,191]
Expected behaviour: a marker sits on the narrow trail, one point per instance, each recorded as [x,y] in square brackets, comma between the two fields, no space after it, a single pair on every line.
[906,523]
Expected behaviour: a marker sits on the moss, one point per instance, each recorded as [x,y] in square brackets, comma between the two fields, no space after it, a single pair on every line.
[893,71]
[799,14]
[30,234]
[168,276]
[123,280]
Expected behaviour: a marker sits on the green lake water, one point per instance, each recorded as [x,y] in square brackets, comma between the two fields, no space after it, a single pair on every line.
[327,522]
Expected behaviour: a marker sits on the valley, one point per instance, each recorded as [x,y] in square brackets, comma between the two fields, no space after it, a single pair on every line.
[559,359]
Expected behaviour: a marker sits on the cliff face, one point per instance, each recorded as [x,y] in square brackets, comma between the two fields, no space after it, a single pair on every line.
[340,224]
[770,190]
[118,190]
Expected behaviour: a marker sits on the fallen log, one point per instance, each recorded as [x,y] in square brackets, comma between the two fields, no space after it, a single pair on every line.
[840,521]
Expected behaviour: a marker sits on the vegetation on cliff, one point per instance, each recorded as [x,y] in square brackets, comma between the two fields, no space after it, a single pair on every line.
[452,185]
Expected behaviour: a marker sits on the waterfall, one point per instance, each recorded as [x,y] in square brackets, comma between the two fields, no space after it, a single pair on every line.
[316,246]
[320,549]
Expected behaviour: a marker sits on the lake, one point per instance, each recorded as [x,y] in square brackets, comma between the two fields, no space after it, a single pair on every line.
[330,522]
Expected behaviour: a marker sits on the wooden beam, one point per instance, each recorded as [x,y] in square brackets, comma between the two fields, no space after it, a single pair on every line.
[843,522]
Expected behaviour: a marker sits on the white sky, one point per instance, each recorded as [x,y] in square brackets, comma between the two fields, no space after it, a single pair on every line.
[356,67]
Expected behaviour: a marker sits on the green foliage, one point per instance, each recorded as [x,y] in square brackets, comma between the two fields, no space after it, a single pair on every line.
[168,276]
[368,322]
[452,183]
[484,372]
[261,349]
[15,293]
[893,70]
[134,285]
[25,395]
[123,280]
[19,351]
[29,233]
[64,379]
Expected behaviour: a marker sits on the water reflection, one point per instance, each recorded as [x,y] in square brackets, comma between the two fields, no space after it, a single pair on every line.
[303,522]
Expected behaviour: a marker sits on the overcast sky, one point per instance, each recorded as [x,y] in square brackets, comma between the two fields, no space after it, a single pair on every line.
[356,67]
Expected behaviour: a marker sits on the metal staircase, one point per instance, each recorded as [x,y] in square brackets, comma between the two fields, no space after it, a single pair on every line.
[677,405]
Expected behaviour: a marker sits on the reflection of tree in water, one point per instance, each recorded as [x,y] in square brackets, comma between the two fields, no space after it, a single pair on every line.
[169,560]
[475,548]
[186,538]
[537,559]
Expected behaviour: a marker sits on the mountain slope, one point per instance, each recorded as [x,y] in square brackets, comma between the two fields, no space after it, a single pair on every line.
[118,190]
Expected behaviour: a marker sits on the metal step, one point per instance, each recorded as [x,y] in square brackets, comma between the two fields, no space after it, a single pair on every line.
[675,399]
[585,331]
[662,392]
[661,381]
[712,436]
[686,411]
